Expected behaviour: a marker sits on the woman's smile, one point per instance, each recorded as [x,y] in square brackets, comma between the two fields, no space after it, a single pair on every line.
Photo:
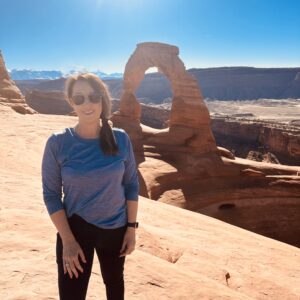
[88,112]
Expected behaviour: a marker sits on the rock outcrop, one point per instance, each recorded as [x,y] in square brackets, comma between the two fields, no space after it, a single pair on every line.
[246,135]
[264,157]
[10,95]
[189,125]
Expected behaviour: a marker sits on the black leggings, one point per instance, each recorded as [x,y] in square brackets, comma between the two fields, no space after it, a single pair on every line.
[108,243]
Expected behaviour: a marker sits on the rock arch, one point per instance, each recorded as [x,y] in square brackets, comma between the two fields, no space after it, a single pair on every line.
[189,123]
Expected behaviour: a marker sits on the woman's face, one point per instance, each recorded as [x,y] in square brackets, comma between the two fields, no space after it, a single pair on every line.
[87,112]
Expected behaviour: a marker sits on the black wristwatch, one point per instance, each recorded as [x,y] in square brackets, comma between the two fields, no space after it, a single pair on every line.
[133,224]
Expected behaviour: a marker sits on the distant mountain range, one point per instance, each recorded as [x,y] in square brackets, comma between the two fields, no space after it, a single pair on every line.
[25,74]
[224,83]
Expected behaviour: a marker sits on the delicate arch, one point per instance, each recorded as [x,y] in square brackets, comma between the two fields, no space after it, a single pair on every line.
[188,107]
[189,124]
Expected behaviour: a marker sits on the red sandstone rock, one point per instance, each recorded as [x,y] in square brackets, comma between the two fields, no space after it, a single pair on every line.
[225,152]
[189,123]
[281,140]
[251,172]
[10,95]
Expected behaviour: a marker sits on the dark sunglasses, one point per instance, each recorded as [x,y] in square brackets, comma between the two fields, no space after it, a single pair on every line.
[93,98]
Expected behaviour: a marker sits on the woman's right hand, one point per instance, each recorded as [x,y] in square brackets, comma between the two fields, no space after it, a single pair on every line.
[71,250]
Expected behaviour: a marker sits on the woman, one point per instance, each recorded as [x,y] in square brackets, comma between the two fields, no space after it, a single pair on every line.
[95,167]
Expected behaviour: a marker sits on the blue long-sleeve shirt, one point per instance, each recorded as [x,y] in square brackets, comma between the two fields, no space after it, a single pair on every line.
[95,186]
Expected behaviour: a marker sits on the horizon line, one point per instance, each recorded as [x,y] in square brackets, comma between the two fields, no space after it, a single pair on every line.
[109,73]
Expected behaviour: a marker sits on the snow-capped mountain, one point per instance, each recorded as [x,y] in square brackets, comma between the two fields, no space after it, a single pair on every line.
[16,74]
[26,74]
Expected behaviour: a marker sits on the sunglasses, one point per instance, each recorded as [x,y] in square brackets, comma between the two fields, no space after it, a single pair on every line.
[93,98]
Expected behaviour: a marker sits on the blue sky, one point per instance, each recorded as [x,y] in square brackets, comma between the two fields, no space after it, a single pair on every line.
[102,34]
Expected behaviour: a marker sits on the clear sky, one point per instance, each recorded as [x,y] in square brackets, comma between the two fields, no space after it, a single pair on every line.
[102,34]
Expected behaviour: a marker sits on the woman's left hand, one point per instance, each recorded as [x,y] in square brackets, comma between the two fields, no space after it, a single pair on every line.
[128,242]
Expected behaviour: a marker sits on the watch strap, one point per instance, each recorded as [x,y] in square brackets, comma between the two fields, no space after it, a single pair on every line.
[133,224]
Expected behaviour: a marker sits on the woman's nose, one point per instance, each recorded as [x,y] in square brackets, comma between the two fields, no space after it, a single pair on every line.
[86,100]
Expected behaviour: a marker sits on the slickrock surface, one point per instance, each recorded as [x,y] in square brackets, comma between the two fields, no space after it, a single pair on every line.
[179,254]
